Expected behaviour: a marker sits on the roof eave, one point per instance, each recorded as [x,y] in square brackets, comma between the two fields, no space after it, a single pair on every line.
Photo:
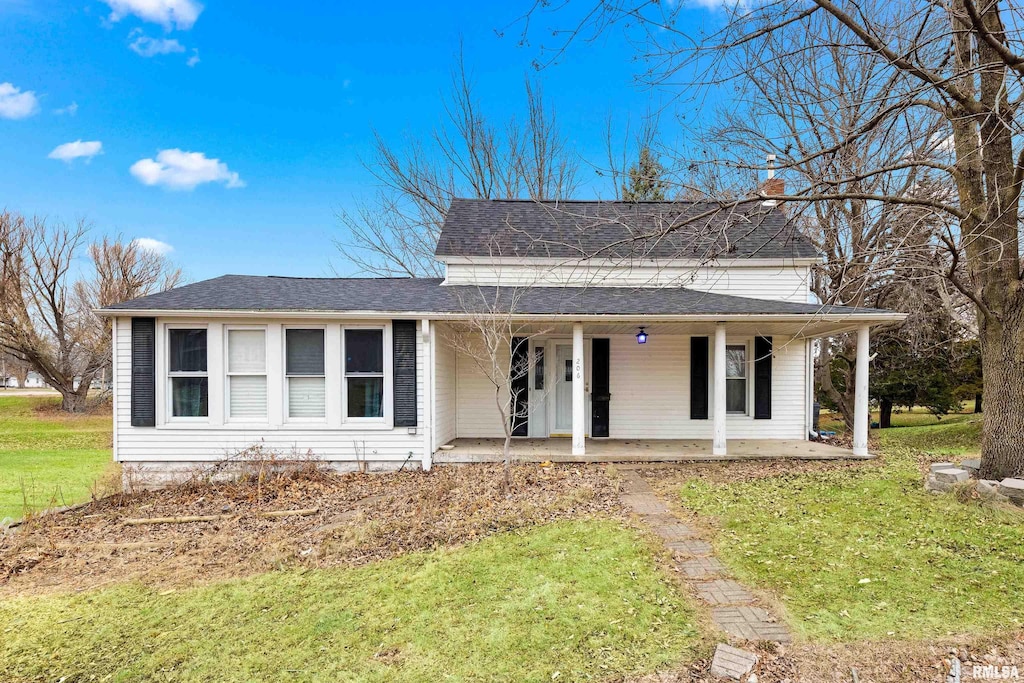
[876,318]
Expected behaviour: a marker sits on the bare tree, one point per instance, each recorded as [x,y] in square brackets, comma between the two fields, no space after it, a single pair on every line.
[469,155]
[961,61]
[497,343]
[14,368]
[46,309]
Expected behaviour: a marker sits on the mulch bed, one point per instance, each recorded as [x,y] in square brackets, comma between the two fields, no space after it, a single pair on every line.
[360,518]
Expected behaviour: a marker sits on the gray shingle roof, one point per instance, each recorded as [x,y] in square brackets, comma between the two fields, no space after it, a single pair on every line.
[593,229]
[428,295]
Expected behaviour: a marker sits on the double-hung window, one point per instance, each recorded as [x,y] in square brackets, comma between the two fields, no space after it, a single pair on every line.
[247,374]
[186,372]
[304,371]
[736,379]
[364,373]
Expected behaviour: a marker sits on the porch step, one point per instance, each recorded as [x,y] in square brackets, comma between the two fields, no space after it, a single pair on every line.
[455,458]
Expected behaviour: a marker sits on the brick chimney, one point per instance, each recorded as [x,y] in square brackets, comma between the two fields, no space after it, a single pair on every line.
[772,187]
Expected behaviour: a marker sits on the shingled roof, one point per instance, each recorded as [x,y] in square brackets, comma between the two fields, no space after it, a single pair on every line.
[428,295]
[700,230]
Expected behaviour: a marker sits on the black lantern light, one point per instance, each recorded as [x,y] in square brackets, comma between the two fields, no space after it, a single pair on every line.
[641,336]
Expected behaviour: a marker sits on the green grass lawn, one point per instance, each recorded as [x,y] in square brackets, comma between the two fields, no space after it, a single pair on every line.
[583,600]
[45,458]
[862,553]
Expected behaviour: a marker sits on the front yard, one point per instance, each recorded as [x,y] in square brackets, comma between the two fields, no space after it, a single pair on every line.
[48,459]
[863,552]
[443,576]
[569,601]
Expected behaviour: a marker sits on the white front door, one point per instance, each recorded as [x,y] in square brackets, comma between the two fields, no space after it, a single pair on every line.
[563,389]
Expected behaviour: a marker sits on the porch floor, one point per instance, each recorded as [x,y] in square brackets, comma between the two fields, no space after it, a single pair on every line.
[641,450]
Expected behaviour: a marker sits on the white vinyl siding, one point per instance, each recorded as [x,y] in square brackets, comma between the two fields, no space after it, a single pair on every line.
[650,393]
[247,374]
[783,281]
[220,437]
[445,388]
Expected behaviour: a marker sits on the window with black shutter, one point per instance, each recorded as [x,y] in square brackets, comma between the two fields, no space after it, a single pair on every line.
[698,378]
[762,378]
[143,392]
[403,335]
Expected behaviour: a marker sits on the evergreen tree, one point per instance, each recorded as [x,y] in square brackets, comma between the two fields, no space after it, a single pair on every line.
[646,183]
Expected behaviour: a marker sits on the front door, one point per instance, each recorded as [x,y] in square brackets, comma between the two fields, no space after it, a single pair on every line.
[563,389]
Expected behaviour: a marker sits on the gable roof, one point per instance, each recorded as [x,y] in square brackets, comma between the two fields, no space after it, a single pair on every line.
[429,296]
[700,230]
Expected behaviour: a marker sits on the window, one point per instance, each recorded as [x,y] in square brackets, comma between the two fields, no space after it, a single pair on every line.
[538,368]
[736,379]
[364,373]
[186,369]
[247,374]
[304,369]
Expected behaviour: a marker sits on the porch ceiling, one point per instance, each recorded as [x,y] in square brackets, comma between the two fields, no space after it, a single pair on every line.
[767,328]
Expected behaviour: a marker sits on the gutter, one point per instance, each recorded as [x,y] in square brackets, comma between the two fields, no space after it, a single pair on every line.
[853,318]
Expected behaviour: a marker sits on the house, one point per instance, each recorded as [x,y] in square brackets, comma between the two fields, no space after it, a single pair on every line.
[667,328]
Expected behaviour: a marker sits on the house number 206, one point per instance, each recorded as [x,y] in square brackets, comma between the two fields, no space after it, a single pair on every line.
[579,369]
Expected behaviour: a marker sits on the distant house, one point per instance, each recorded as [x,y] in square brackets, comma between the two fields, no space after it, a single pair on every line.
[675,328]
[32,381]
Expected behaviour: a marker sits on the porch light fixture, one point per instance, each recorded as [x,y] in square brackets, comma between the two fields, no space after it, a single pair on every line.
[641,336]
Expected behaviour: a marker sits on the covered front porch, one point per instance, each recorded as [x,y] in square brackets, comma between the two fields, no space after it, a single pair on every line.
[594,390]
[468,450]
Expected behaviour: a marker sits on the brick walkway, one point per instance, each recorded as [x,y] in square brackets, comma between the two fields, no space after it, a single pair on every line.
[733,606]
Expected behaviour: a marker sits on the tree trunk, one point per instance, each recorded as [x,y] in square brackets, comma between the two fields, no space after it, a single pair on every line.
[508,461]
[21,375]
[1002,434]
[977,403]
[884,413]
[72,401]
[844,401]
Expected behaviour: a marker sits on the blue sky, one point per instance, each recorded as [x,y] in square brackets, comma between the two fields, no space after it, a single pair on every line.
[286,98]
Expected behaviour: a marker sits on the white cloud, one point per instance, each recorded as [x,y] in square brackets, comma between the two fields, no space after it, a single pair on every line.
[70,151]
[153,245]
[70,110]
[181,14]
[943,145]
[15,104]
[150,47]
[194,59]
[178,170]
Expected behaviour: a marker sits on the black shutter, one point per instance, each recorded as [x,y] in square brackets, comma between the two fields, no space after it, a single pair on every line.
[762,378]
[698,378]
[519,380]
[600,398]
[143,372]
[403,339]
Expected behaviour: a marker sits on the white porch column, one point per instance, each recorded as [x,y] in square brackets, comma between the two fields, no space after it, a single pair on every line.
[860,406]
[427,336]
[579,403]
[718,444]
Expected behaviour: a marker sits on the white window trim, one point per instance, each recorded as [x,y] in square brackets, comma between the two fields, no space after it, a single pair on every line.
[387,420]
[288,419]
[168,376]
[748,383]
[228,375]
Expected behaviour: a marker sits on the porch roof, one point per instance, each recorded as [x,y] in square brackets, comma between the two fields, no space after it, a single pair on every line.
[429,297]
